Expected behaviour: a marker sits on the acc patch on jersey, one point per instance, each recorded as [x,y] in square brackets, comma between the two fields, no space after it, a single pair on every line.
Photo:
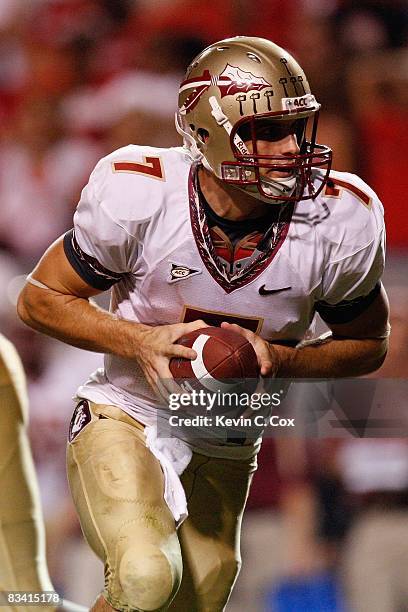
[180,272]
[80,419]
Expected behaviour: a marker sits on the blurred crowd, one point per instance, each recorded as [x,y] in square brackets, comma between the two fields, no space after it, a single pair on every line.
[79,78]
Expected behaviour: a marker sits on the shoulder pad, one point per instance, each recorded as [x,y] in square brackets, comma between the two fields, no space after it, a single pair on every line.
[354,216]
[134,182]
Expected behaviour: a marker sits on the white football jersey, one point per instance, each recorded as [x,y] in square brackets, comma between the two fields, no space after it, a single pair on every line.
[141,219]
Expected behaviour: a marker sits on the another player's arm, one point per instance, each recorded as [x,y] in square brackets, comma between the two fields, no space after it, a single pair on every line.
[353,349]
[61,308]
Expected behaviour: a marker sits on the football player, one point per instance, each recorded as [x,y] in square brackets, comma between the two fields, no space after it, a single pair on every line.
[22,547]
[243,226]
[23,565]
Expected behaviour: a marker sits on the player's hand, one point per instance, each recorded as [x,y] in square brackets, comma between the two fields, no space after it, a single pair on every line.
[156,346]
[268,358]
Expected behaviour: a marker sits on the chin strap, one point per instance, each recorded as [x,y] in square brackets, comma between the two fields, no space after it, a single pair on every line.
[275,187]
[279,186]
[189,141]
[222,120]
[252,191]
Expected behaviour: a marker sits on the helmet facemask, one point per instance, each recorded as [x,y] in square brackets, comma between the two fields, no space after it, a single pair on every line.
[263,173]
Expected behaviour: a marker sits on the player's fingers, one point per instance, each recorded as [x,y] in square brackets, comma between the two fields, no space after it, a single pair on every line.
[198,324]
[178,350]
[163,369]
[266,367]
[158,376]
[240,330]
[264,356]
[174,388]
[260,347]
[166,383]
[180,329]
[170,384]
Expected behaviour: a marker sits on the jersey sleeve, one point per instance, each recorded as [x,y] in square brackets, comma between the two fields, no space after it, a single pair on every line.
[97,235]
[355,259]
[114,206]
[88,267]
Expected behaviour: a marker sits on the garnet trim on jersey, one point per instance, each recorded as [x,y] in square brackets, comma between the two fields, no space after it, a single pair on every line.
[346,310]
[207,250]
[216,317]
[88,268]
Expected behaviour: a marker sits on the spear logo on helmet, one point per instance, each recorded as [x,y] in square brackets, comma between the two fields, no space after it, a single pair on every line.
[232,80]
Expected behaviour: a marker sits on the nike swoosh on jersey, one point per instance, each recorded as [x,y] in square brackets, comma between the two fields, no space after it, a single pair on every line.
[263,291]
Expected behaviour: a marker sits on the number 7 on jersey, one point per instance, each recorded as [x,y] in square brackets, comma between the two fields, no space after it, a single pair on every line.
[151,166]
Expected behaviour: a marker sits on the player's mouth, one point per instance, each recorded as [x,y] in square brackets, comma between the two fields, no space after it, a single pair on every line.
[280,173]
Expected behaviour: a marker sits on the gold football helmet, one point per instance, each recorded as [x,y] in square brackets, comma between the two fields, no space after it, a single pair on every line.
[239,90]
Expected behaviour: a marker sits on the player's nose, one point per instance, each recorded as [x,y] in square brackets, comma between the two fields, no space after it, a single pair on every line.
[289,145]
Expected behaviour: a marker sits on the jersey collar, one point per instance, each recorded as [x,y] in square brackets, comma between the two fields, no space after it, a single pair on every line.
[260,259]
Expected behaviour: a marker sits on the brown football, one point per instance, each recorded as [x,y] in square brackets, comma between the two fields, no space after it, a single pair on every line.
[221,354]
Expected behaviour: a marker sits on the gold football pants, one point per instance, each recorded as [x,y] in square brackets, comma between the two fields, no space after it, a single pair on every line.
[22,548]
[118,489]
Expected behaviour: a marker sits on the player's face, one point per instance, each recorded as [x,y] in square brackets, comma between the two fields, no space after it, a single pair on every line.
[276,138]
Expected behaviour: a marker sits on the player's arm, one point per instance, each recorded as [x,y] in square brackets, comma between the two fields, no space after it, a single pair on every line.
[58,305]
[55,301]
[354,348]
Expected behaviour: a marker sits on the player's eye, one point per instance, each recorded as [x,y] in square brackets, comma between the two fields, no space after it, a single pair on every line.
[269,130]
